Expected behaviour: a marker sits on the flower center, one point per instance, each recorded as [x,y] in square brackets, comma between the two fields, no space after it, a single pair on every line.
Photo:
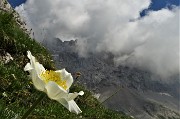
[50,75]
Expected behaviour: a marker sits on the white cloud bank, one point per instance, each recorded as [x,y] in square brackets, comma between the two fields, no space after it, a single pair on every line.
[151,42]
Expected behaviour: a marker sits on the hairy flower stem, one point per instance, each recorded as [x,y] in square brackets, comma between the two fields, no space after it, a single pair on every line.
[33,106]
[108,97]
[111,96]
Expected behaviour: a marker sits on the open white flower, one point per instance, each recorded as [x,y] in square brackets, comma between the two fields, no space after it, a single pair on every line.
[55,83]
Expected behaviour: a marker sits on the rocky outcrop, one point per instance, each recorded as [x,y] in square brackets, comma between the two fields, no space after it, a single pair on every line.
[140,94]
[6,7]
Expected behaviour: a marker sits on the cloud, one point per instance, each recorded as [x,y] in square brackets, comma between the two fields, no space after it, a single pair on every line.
[115,26]
[151,43]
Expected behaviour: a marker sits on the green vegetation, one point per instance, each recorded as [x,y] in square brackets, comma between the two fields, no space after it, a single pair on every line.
[17,93]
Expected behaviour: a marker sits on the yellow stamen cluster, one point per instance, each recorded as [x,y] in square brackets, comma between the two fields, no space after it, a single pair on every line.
[50,75]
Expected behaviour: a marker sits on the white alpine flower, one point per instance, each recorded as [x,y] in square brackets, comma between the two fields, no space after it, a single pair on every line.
[55,84]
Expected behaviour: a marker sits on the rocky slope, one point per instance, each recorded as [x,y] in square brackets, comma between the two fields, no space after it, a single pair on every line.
[6,7]
[140,94]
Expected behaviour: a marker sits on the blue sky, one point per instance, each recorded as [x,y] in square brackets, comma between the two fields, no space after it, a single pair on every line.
[156,4]
[159,4]
[15,3]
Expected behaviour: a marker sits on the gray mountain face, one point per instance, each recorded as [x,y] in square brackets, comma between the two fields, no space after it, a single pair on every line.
[138,92]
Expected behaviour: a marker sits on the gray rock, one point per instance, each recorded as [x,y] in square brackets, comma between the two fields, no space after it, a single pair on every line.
[140,94]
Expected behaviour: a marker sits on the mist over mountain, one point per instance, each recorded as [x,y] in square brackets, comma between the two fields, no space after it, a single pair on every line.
[114,26]
[140,93]
[115,49]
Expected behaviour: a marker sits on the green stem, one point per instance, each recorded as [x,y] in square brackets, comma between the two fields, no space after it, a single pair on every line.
[111,95]
[33,106]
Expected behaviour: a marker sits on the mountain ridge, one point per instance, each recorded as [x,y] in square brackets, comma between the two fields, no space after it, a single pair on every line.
[101,76]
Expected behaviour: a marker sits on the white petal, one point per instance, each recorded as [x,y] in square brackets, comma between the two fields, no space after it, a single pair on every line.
[54,91]
[37,82]
[72,96]
[39,68]
[35,69]
[69,80]
[32,59]
[81,93]
[70,105]
[29,55]
[35,65]
[63,72]
[66,76]
[28,67]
